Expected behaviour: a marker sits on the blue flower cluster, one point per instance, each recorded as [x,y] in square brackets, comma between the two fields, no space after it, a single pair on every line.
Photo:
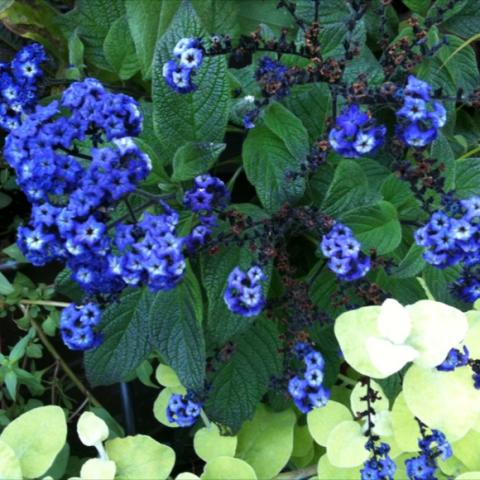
[380,466]
[183,410]
[78,326]
[432,446]
[455,358]
[355,133]
[420,117]
[448,241]
[244,292]
[73,194]
[19,85]
[307,390]
[179,72]
[207,195]
[343,252]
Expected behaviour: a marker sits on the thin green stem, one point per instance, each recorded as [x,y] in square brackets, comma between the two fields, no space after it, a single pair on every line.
[46,303]
[206,421]
[347,380]
[232,181]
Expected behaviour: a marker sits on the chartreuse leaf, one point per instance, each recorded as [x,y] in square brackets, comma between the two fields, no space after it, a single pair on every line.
[119,49]
[160,405]
[193,159]
[142,321]
[266,441]
[36,437]
[140,456]
[357,405]
[187,476]
[346,445]
[443,400]
[195,117]
[209,443]
[228,467]
[321,421]
[466,450]
[405,428]
[327,471]
[148,21]
[276,146]
[376,226]
[469,476]
[9,464]
[238,385]
[302,441]
[472,339]
[167,377]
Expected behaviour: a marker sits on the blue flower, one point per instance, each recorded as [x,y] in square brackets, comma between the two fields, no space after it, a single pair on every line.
[419,468]
[183,410]
[208,193]
[454,359]
[77,326]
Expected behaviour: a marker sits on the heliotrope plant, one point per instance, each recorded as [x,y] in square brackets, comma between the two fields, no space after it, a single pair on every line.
[357,187]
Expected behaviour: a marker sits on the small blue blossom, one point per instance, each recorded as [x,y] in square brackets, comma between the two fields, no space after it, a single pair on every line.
[77,326]
[380,466]
[355,134]
[244,293]
[183,410]
[454,359]
[208,193]
[343,252]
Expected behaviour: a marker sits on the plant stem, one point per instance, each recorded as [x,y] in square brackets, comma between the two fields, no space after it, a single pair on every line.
[46,303]
[205,419]
[78,383]
[232,181]
[347,380]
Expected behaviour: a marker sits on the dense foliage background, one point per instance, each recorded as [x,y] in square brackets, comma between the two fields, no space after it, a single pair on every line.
[287,186]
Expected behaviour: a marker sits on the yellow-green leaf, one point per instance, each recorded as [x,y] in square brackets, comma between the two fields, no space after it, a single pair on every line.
[209,444]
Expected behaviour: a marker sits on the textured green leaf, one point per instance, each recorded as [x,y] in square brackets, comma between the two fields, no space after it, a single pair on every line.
[438,282]
[199,116]
[169,322]
[5,286]
[238,385]
[412,264]
[252,13]
[277,145]
[93,19]
[364,64]
[306,99]
[418,6]
[194,159]
[442,151]
[467,181]
[266,441]
[375,226]
[148,21]
[119,49]
[218,17]
[348,190]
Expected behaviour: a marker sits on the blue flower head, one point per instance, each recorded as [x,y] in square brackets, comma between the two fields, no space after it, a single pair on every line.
[77,326]
[183,410]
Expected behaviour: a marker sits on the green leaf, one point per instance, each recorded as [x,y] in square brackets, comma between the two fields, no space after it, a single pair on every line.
[467,181]
[169,322]
[405,428]
[321,421]
[412,264]
[276,146]
[466,452]
[364,64]
[167,377]
[238,385]
[5,200]
[161,403]
[348,190]
[327,471]
[35,449]
[140,456]
[200,116]
[438,282]
[442,151]
[9,465]
[428,395]
[228,467]
[11,384]
[358,405]
[218,17]
[465,22]
[346,445]
[5,286]
[120,51]
[66,286]
[376,227]
[418,6]
[194,159]
[266,441]
[209,444]
[148,21]
[93,20]
[253,13]
[305,99]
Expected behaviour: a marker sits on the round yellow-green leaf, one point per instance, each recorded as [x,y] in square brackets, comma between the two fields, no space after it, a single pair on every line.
[469,476]
[360,391]
[98,469]
[302,441]
[472,339]
[228,467]
[140,456]
[208,444]
[9,465]
[467,450]
[91,429]
[160,406]
[346,445]
[304,460]
[352,329]
[36,437]
[167,377]
[327,471]
[266,441]
[451,467]
[446,401]
[321,421]
[187,476]
[405,428]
